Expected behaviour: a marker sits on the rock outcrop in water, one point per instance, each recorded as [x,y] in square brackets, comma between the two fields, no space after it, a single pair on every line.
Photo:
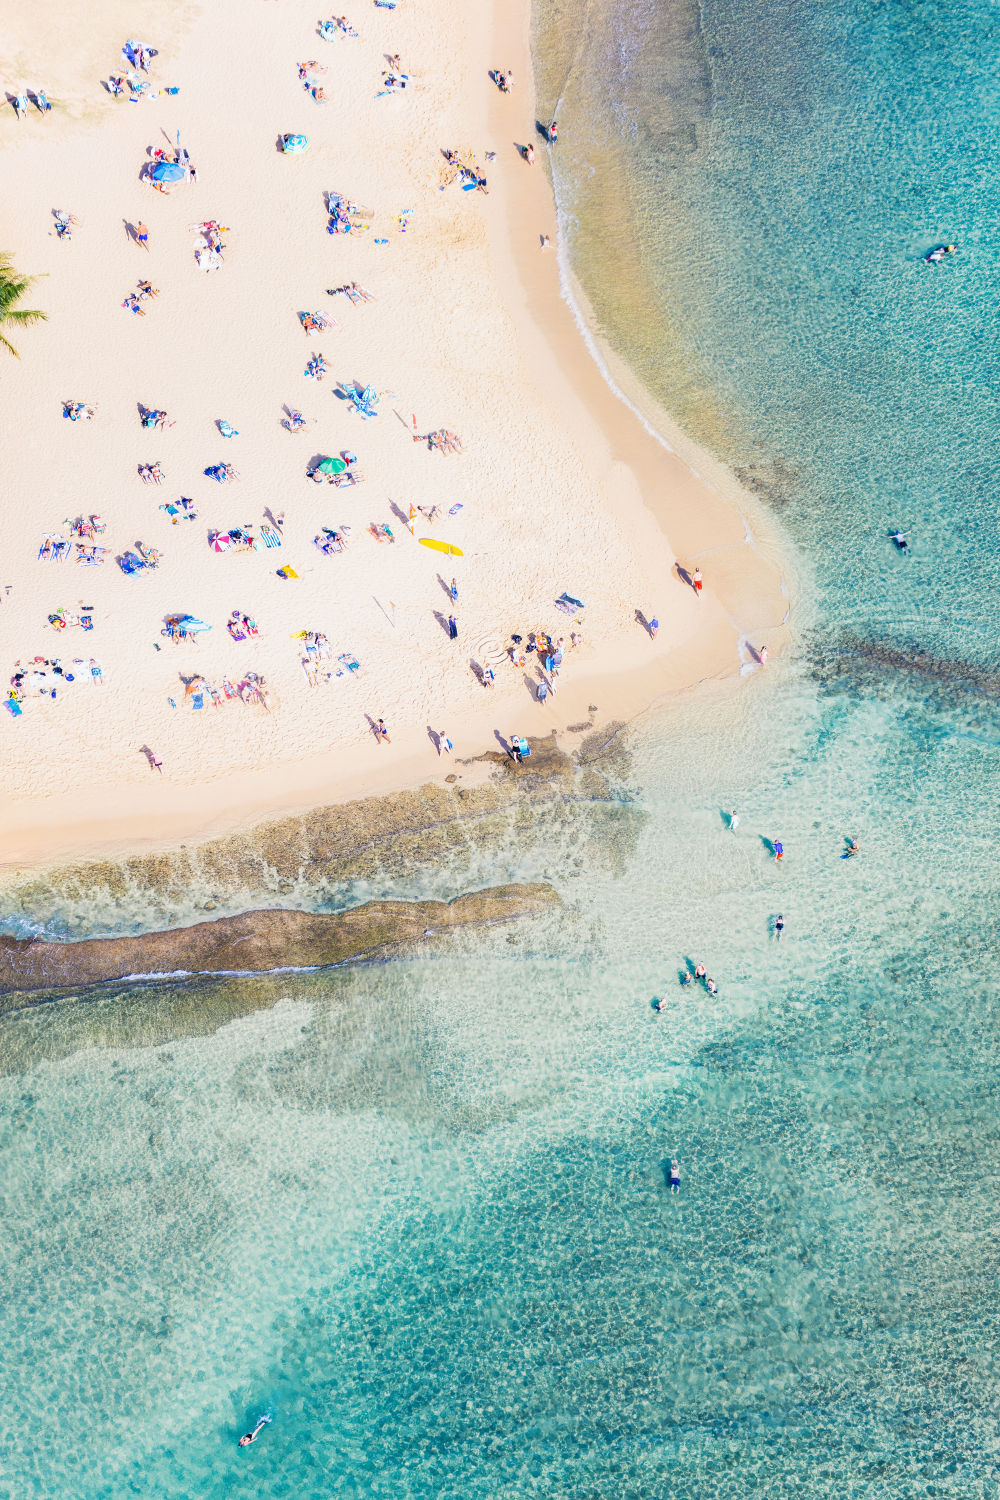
[558,810]
[258,941]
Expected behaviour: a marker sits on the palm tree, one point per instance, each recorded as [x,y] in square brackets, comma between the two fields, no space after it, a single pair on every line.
[12,288]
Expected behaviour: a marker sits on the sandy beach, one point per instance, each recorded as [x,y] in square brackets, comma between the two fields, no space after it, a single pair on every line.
[559,487]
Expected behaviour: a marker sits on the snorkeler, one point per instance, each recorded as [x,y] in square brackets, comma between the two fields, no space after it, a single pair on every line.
[251,1437]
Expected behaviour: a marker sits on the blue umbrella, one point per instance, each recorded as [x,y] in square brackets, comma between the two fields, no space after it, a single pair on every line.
[168,171]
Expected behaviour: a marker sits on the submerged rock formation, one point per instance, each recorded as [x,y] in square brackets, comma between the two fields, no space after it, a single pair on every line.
[258,941]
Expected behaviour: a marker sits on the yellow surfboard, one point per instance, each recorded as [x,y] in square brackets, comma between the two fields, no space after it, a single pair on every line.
[425,541]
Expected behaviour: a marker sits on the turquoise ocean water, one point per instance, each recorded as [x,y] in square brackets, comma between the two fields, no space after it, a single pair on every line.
[418,1211]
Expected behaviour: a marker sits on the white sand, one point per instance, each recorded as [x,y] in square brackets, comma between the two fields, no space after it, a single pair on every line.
[560,487]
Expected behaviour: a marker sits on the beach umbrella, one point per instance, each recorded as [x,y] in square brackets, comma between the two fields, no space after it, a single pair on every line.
[168,171]
[190,624]
[292,144]
[331,466]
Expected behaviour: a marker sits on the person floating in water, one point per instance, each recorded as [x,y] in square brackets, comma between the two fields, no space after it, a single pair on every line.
[853,847]
[935,256]
[675,1177]
[779,849]
[898,539]
[251,1437]
[779,925]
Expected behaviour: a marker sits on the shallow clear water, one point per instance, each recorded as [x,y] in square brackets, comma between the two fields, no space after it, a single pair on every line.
[748,190]
[418,1210]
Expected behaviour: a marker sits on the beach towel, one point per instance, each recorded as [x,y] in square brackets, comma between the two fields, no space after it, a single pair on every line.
[14,708]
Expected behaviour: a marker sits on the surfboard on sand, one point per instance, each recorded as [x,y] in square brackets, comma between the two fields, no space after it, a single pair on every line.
[426,541]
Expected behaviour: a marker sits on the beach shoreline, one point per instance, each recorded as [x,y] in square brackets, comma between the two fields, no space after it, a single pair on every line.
[647,501]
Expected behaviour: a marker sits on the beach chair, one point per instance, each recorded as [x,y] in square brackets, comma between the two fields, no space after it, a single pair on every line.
[350,661]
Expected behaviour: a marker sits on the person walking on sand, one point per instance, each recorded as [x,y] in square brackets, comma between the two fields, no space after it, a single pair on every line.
[453,591]
[155,762]
[21,106]
[528,152]
[381,733]
[762,654]
[553,132]
[696,582]
[445,747]
[654,628]
[142,236]
[452,628]
[542,692]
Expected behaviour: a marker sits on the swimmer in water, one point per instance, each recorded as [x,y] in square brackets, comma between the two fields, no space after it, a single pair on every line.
[898,539]
[686,978]
[779,925]
[711,986]
[675,1177]
[251,1437]
[659,1003]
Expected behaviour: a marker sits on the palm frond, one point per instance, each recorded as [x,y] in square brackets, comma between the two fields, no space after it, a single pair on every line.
[13,287]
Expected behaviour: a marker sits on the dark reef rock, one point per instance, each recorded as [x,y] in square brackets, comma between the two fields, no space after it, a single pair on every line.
[258,941]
